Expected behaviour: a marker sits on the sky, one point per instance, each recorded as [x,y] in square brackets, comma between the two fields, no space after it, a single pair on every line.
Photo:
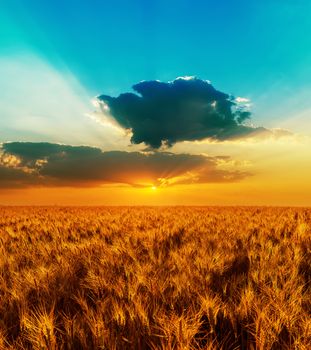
[155,102]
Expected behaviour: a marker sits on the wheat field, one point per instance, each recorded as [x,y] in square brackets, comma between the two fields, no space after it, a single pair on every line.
[155,278]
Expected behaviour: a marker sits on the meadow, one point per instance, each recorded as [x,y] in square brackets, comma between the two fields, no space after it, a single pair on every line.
[155,278]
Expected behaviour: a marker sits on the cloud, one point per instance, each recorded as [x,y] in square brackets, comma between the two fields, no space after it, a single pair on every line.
[24,164]
[15,178]
[185,109]
[242,100]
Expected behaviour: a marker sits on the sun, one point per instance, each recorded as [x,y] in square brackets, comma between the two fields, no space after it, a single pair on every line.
[153,188]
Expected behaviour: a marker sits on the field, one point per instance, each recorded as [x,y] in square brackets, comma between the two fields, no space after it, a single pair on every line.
[155,278]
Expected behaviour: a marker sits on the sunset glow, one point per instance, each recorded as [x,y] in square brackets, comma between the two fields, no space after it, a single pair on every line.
[208,131]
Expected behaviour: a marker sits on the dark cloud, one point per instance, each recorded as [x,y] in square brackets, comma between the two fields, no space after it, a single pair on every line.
[11,177]
[25,164]
[185,109]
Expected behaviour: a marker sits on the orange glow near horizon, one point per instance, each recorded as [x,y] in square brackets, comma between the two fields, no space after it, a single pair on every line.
[281,174]
[248,192]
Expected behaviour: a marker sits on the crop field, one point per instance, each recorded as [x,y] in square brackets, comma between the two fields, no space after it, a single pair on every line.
[155,278]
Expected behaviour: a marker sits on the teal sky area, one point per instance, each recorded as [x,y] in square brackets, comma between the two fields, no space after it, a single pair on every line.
[260,50]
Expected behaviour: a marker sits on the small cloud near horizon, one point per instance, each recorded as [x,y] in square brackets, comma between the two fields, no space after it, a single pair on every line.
[28,164]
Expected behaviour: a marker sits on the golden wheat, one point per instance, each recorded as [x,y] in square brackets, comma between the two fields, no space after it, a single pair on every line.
[155,278]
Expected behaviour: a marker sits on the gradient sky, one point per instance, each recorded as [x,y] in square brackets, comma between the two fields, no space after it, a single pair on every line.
[56,56]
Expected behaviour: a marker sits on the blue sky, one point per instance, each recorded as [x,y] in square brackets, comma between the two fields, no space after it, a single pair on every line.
[256,49]
[57,56]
